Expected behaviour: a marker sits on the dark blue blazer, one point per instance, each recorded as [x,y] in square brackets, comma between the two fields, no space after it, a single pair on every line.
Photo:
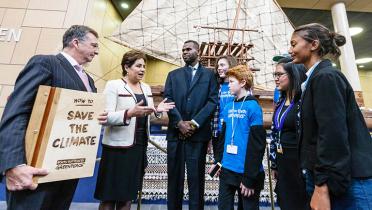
[194,100]
[51,70]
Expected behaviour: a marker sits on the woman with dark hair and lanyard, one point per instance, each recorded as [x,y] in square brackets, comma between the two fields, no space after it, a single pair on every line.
[290,186]
[335,145]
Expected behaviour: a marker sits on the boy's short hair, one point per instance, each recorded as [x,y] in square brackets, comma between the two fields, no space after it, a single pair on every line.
[242,72]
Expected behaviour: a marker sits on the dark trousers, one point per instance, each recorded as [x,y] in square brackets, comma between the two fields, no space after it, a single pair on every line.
[290,186]
[229,185]
[47,196]
[193,154]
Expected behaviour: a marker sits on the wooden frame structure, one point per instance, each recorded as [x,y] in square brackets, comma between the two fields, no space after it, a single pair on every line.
[210,51]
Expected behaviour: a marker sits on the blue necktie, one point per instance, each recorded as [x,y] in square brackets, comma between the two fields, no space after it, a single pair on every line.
[193,72]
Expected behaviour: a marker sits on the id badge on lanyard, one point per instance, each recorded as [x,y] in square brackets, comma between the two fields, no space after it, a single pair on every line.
[231,148]
[279,148]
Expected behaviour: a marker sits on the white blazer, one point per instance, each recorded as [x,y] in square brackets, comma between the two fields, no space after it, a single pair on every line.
[119,99]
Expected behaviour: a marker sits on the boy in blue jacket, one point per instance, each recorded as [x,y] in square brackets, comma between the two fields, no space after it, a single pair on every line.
[241,150]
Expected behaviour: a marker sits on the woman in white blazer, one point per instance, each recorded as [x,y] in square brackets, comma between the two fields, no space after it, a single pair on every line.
[129,106]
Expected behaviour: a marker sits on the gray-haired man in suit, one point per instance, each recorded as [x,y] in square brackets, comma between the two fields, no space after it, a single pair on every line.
[63,70]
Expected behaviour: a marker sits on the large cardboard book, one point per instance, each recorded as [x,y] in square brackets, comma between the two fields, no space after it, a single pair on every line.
[63,133]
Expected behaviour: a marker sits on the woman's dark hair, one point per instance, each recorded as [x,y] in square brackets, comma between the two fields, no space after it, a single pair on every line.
[296,75]
[231,60]
[129,58]
[329,41]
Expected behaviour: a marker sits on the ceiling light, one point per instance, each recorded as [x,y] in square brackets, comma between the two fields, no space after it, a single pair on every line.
[334,65]
[124,5]
[361,66]
[355,30]
[363,60]
[101,5]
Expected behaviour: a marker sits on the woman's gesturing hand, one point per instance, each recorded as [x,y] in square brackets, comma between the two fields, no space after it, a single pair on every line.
[164,106]
[140,111]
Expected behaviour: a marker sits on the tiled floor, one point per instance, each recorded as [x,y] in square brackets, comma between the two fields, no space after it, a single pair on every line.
[94,206]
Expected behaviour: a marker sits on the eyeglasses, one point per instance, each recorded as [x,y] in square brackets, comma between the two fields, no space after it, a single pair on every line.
[277,75]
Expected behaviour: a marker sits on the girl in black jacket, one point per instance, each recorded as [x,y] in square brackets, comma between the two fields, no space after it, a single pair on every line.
[335,145]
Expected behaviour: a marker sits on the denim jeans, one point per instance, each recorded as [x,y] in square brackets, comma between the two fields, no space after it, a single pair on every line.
[357,197]
[309,182]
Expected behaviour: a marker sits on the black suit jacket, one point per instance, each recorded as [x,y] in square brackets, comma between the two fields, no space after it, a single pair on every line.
[196,100]
[51,70]
[334,140]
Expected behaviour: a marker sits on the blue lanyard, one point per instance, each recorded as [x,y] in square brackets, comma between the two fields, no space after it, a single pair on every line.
[279,120]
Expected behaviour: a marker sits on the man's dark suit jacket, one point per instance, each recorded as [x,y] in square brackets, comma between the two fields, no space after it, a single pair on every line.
[334,140]
[194,100]
[51,70]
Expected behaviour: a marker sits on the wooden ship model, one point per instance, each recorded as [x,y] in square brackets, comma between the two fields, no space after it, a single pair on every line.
[209,53]
[161,36]
[266,100]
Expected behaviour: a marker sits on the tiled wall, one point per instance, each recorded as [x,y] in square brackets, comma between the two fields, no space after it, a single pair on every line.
[43,23]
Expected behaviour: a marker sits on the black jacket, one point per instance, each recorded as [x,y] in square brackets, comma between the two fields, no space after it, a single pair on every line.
[194,100]
[334,140]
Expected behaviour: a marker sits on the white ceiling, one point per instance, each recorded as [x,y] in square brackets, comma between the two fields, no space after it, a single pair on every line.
[351,5]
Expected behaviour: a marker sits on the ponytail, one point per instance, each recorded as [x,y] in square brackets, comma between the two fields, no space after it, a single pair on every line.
[329,41]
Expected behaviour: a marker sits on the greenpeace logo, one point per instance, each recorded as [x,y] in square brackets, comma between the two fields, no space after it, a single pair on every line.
[70,163]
